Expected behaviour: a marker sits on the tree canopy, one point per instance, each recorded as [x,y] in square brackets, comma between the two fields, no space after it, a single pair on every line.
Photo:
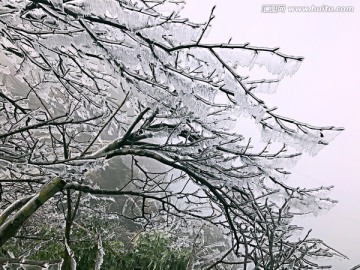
[92,86]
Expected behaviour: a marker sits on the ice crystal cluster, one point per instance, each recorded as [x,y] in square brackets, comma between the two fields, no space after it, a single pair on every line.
[90,86]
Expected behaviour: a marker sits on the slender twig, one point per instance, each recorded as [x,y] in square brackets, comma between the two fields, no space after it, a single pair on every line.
[105,125]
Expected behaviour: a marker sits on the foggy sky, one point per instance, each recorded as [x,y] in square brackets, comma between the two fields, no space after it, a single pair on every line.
[323,92]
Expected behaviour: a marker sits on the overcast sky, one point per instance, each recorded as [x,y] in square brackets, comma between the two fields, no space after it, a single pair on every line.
[323,92]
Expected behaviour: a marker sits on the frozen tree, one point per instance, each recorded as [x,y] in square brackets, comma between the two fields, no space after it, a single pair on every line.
[91,85]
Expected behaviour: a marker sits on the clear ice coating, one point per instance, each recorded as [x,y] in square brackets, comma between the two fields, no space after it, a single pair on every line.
[84,83]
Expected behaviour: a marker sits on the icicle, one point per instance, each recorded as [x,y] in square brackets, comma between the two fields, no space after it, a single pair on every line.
[4,69]
[264,86]
[290,68]
[58,4]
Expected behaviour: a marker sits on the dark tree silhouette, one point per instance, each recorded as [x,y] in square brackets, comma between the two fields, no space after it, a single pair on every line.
[89,85]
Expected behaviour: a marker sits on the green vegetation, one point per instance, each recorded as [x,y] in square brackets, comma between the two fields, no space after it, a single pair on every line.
[148,251]
[153,251]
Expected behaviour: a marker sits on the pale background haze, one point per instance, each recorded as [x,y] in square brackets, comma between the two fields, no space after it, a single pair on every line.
[324,92]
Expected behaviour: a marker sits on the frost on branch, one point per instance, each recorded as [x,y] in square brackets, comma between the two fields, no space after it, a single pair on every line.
[125,99]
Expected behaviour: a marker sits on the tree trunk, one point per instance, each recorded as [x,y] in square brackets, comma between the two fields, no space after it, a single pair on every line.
[9,228]
[67,257]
